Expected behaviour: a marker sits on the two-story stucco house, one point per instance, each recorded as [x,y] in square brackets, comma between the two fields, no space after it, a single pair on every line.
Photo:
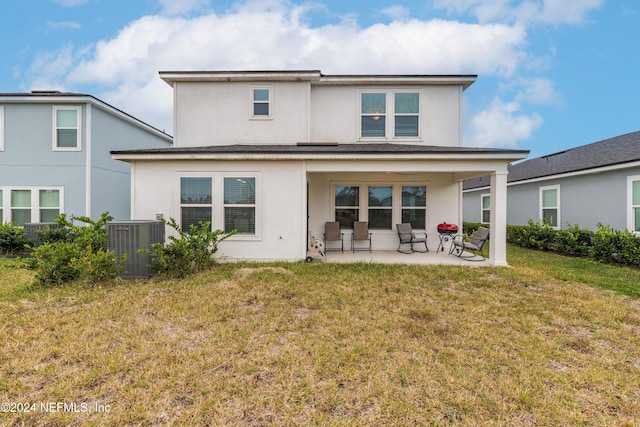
[277,154]
[54,156]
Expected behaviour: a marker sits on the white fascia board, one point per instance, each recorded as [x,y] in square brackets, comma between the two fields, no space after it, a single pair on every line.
[171,77]
[391,80]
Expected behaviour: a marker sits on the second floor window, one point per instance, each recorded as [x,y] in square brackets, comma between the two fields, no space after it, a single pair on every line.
[1,128]
[66,134]
[403,109]
[261,102]
[374,107]
[406,114]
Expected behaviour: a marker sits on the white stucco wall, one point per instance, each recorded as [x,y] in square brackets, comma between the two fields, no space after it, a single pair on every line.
[280,203]
[220,114]
[283,188]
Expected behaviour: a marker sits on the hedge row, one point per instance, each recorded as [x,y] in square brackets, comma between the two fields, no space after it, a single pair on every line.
[605,244]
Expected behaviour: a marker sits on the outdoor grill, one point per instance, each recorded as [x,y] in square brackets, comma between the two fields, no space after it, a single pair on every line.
[445,231]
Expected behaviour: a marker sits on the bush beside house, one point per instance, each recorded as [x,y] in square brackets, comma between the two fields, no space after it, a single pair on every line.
[605,244]
[71,252]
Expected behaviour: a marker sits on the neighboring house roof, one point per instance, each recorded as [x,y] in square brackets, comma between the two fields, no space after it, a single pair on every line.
[609,152]
[54,96]
[319,149]
[317,78]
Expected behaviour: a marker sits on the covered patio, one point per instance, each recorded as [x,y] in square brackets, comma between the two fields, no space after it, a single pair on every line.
[394,257]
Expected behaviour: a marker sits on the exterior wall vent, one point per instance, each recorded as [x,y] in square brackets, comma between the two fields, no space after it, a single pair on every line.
[128,238]
[32,229]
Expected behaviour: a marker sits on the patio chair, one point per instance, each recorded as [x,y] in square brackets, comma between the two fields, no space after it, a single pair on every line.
[332,234]
[360,233]
[459,245]
[408,237]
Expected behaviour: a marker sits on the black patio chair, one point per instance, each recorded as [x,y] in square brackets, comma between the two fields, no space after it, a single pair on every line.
[459,245]
[408,237]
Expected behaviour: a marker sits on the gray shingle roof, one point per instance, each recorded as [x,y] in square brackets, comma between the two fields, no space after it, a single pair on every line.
[613,151]
[327,148]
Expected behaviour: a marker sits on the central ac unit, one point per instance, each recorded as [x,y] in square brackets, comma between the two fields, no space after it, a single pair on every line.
[32,229]
[129,238]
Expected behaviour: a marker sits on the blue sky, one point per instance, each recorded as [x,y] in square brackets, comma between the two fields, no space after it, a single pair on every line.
[552,74]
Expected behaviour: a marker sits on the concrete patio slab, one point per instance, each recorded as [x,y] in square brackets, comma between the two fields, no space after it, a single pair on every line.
[395,257]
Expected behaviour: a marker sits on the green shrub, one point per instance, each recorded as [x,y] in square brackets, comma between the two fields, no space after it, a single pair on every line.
[471,227]
[53,262]
[615,246]
[189,252]
[573,240]
[605,245]
[12,239]
[74,252]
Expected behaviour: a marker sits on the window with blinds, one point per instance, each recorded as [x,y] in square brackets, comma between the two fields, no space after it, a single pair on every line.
[240,205]
[196,201]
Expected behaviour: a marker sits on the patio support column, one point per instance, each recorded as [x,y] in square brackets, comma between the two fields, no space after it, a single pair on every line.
[498,234]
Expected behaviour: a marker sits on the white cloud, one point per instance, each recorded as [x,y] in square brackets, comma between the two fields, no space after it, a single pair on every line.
[71,3]
[397,13]
[501,124]
[64,25]
[527,11]
[181,7]
[274,35]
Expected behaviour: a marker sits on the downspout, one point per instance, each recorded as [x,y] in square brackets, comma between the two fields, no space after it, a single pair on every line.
[88,163]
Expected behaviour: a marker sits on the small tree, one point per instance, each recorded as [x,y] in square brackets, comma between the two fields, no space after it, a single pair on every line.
[191,251]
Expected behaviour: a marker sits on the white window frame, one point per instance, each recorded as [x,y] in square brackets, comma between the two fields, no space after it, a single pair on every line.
[217,199]
[389,208]
[195,205]
[269,103]
[78,128]
[390,115]
[630,206]
[1,127]
[257,204]
[557,207]
[414,208]
[483,209]
[396,207]
[7,208]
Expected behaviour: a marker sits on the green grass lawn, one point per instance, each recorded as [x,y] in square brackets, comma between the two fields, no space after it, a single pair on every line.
[548,341]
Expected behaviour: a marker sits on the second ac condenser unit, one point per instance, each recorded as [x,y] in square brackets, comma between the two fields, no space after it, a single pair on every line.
[32,229]
[128,238]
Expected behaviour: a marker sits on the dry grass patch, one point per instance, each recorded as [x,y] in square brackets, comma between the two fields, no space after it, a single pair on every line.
[313,344]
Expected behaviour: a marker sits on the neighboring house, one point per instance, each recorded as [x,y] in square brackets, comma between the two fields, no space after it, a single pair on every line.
[54,156]
[276,154]
[590,184]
